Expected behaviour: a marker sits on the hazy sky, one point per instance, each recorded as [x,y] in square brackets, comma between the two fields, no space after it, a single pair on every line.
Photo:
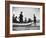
[28,12]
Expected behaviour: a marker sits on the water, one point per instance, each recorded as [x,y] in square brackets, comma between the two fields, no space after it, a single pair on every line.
[29,27]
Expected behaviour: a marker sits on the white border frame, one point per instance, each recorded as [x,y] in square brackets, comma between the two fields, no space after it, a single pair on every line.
[27,31]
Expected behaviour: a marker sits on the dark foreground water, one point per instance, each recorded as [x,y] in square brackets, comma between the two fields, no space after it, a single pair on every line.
[28,27]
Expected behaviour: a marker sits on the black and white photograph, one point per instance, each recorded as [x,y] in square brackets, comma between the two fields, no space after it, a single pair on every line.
[26,18]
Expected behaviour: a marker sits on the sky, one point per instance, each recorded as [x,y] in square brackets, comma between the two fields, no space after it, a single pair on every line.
[28,12]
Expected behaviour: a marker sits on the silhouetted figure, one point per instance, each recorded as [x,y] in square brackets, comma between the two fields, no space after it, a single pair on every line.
[16,19]
[13,18]
[25,19]
[21,17]
[29,20]
[34,18]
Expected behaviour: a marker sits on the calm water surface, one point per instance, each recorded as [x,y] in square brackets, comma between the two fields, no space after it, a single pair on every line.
[29,27]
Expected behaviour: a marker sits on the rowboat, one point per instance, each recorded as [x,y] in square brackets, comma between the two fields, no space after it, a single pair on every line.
[22,24]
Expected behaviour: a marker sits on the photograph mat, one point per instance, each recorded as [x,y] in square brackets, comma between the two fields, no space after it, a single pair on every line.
[26,31]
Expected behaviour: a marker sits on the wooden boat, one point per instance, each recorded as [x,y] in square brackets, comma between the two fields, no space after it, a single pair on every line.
[22,24]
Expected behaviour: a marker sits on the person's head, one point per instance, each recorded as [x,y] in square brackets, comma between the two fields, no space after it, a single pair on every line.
[21,12]
[16,16]
[13,14]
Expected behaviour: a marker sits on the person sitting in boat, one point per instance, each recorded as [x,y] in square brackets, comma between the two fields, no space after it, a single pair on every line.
[16,20]
[29,20]
[21,17]
[25,20]
[13,18]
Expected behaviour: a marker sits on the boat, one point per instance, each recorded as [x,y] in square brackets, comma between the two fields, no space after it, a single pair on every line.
[22,24]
